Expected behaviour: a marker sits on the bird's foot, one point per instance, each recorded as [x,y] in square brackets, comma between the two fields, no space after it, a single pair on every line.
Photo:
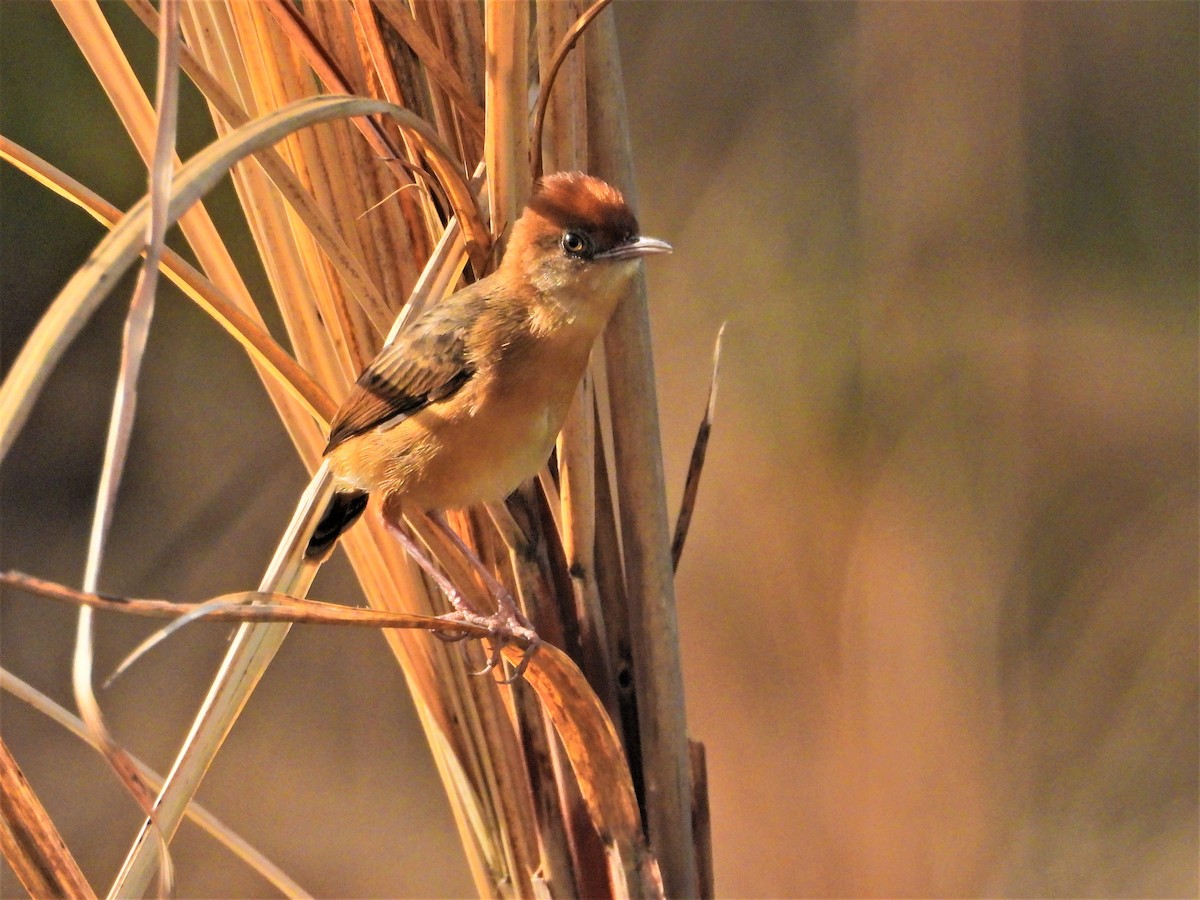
[506,626]
[503,629]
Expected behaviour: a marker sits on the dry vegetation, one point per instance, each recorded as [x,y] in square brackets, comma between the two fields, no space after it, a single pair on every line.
[939,606]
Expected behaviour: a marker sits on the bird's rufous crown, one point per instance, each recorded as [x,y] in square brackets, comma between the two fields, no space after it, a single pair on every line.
[568,200]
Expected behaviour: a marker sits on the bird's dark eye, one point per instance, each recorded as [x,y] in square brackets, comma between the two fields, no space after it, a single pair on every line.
[576,244]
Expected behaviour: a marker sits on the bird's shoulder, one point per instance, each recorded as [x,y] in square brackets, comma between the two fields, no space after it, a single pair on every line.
[429,362]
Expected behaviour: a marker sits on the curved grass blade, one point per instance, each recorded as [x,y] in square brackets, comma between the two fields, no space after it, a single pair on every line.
[92,282]
[565,46]
[596,758]
[262,348]
[116,450]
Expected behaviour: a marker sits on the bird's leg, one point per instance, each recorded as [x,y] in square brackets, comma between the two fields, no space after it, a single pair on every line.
[418,555]
[505,624]
[508,621]
[505,604]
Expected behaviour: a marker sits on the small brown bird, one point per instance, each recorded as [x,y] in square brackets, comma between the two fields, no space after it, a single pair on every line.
[468,401]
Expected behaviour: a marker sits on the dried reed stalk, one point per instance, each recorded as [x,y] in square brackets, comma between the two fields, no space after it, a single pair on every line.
[29,840]
[354,218]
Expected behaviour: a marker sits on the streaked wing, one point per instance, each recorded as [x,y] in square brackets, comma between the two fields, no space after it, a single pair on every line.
[424,366]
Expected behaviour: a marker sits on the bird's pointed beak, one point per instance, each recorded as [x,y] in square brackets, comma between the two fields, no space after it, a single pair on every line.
[643,246]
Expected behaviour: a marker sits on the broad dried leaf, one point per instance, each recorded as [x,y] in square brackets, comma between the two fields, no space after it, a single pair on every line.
[596,756]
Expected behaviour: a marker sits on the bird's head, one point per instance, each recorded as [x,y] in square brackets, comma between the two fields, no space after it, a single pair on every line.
[578,242]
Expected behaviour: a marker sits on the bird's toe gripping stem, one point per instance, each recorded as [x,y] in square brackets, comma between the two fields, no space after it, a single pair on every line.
[504,627]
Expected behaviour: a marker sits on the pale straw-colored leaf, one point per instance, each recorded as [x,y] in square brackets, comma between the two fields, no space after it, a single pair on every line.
[137,332]
[506,142]
[141,312]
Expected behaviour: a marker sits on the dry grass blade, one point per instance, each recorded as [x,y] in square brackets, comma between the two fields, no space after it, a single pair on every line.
[137,323]
[702,818]
[506,153]
[236,607]
[29,840]
[137,331]
[691,484]
[596,757]
[196,813]
[439,68]
[261,347]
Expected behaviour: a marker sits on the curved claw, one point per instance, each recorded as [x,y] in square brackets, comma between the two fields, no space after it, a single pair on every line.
[519,671]
[494,659]
[449,638]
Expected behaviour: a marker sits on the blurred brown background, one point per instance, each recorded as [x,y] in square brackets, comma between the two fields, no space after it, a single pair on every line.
[939,607]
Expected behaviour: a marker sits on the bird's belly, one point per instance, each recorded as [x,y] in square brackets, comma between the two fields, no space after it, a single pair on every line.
[488,463]
[482,457]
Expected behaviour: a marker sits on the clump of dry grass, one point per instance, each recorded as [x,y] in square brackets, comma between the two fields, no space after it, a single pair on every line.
[380,150]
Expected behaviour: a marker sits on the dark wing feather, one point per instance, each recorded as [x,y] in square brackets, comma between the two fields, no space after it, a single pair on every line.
[427,364]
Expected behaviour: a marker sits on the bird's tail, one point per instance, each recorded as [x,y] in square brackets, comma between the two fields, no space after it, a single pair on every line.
[343,511]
